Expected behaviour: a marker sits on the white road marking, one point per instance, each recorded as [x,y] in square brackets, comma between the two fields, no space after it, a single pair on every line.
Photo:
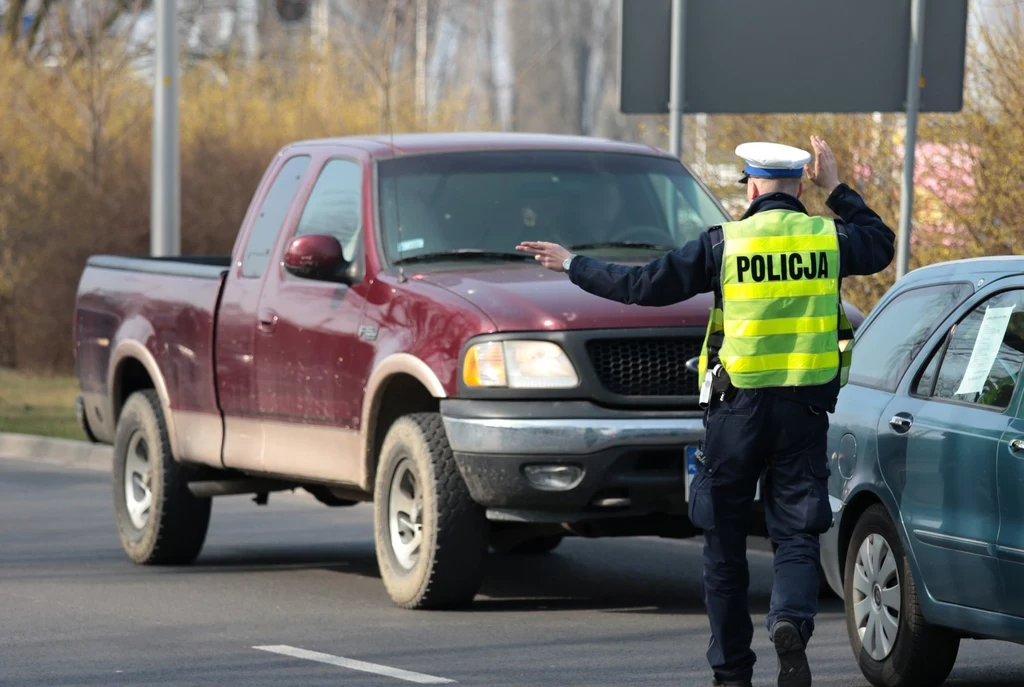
[355,665]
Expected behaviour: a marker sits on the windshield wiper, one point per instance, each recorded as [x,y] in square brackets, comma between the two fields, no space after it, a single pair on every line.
[463,253]
[621,244]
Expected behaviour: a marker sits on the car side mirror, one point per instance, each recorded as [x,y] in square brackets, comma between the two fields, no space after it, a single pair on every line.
[316,256]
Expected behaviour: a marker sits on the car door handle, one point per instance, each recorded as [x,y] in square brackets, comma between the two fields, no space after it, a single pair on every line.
[1017,445]
[901,423]
[267,321]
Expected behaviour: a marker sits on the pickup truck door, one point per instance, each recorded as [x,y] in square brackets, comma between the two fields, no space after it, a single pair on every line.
[237,314]
[953,424]
[310,379]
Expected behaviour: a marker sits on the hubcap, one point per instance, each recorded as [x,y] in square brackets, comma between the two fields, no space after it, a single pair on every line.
[138,475]
[876,597]
[405,515]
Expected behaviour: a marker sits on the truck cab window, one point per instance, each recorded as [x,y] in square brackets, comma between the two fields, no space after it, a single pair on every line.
[267,226]
[334,207]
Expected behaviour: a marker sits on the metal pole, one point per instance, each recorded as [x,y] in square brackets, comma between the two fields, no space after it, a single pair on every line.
[321,21]
[701,143]
[421,61]
[910,139]
[249,18]
[165,211]
[678,71]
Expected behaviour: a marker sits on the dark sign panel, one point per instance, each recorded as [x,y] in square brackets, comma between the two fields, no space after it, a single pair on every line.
[791,56]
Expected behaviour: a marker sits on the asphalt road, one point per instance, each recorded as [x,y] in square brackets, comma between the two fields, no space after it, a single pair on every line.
[295,574]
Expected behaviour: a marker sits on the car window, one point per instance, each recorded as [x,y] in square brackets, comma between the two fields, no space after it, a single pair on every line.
[982,361]
[267,226]
[885,349]
[491,200]
[335,205]
[685,206]
[926,380]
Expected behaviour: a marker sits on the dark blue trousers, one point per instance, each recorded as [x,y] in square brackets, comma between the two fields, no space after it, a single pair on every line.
[759,432]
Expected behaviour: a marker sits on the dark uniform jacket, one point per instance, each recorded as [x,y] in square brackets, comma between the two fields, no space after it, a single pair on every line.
[866,246]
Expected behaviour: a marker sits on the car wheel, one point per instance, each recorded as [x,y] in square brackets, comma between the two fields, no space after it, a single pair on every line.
[431,537]
[891,641]
[159,521]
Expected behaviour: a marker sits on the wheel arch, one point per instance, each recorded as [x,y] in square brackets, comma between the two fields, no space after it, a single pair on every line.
[856,505]
[133,368]
[851,516]
[400,384]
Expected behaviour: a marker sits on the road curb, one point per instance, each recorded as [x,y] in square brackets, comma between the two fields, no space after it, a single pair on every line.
[63,452]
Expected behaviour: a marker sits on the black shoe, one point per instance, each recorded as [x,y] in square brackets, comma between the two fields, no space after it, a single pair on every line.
[716,683]
[793,668]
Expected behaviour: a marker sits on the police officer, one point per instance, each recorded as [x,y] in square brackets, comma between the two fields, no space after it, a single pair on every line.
[772,369]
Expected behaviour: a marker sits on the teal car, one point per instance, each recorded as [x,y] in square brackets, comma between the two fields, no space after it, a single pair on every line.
[927,472]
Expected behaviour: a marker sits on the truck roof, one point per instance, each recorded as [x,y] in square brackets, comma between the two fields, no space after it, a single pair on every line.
[383,146]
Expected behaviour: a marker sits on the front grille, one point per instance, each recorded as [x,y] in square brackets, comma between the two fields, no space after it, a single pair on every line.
[645,366]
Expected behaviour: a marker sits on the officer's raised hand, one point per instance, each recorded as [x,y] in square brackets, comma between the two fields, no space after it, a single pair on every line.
[822,171]
[551,255]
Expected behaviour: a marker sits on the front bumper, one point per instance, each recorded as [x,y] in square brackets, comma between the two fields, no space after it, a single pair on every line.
[633,461]
[830,548]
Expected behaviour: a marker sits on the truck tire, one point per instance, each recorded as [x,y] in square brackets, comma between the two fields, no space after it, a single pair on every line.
[431,537]
[880,590]
[159,521]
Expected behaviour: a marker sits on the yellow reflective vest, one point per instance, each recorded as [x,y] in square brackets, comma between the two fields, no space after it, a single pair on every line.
[778,320]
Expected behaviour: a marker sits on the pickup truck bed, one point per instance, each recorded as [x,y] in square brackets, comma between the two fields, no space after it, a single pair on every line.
[166,306]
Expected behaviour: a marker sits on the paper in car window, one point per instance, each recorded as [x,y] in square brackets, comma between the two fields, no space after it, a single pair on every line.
[986,347]
[411,244]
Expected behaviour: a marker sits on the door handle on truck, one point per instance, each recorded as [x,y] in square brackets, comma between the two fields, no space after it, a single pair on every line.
[267,321]
[1017,445]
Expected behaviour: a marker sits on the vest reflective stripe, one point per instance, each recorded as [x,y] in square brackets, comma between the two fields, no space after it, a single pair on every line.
[791,362]
[778,319]
[773,244]
[812,306]
[818,287]
[783,325]
[776,344]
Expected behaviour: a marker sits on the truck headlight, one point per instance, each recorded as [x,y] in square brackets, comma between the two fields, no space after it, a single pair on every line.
[518,365]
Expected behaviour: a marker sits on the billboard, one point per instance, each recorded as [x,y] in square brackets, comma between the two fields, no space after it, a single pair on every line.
[756,56]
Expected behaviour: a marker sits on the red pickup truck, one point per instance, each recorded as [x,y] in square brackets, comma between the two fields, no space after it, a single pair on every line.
[374,336]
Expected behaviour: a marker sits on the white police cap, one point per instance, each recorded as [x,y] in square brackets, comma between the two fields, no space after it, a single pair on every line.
[772,160]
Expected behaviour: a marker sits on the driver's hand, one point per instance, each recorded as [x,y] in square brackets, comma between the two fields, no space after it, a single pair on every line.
[551,255]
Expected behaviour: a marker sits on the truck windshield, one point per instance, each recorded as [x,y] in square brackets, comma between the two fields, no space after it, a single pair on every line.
[488,202]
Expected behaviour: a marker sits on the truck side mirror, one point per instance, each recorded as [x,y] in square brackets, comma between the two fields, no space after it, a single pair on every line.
[316,256]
